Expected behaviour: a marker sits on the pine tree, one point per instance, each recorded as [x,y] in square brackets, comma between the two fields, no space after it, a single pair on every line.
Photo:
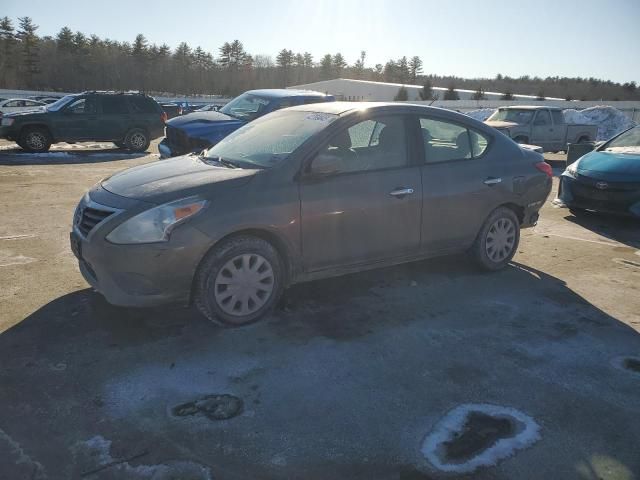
[7,51]
[403,70]
[358,68]
[541,96]
[339,64]
[415,68]
[479,94]
[402,95]
[284,60]
[326,67]
[29,44]
[451,93]
[427,93]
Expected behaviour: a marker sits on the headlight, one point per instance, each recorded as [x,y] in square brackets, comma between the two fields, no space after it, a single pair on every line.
[572,170]
[155,224]
[6,122]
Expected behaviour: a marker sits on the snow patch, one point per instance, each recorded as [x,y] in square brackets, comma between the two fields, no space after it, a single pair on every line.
[610,121]
[94,455]
[453,422]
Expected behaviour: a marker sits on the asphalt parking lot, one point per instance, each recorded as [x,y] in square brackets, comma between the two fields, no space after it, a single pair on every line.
[355,377]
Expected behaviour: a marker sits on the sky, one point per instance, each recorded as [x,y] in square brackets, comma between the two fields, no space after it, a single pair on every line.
[466,38]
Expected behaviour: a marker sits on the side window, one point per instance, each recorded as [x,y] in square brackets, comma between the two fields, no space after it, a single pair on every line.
[542,118]
[558,117]
[445,141]
[368,145]
[142,105]
[114,105]
[28,103]
[479,143]
[12,104]
[82,105]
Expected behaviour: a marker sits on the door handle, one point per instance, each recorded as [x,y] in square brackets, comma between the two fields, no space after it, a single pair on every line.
[401,192]
[492,181]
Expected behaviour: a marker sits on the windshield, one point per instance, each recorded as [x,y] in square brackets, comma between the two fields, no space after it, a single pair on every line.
[628,142]
[246,106]
[521,117]
[269,140]
[58,104]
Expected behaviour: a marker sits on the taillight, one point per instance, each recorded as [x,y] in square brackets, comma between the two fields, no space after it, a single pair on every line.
[164,117]
[544,167]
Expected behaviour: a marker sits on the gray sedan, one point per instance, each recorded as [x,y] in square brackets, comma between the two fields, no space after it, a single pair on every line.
[305,193]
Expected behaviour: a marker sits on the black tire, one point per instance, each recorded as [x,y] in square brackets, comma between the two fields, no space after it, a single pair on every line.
[137,140]
[35,139]
[214,265]
[491,228]
[521,139]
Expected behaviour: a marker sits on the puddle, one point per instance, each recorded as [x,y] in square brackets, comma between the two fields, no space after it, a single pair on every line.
[214,407]
[478,435]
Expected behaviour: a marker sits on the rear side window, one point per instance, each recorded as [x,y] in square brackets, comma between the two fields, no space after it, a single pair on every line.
[479,143]
[142,105]
[114,105]
[444,141]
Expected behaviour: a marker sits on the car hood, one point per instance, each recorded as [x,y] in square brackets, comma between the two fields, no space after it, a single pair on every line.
[612,166]
[202,118]
[499,124]
[25,112]
[179,177]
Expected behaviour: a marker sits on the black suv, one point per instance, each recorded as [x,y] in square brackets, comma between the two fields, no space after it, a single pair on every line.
[130,120]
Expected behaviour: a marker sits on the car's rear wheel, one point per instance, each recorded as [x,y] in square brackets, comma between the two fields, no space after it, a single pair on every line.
[35,139]
[137,140]
[239,281]
[498,239]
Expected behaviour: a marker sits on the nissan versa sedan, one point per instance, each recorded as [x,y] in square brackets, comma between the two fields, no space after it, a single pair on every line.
[606,180]
[303,193]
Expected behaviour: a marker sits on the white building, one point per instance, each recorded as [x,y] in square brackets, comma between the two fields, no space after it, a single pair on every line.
[368,91]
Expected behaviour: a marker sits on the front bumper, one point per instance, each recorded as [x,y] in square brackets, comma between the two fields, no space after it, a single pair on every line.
[8,132]
[140,275]
[616,199]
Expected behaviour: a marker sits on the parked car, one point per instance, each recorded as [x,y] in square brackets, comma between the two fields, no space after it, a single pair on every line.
[19,105]
[46,98]
[606,179]
[171,109]
[303,193]
[209,108]
[130,120]
[199,130]
[542,126]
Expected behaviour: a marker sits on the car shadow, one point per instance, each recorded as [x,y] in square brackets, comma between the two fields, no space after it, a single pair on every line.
[65,156]
[621,229]
[343,380]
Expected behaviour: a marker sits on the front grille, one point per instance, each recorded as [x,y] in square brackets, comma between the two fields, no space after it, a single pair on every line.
[615,197]
[89,217]
[178,140]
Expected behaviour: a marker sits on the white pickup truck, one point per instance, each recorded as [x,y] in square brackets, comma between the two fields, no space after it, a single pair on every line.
[542,126]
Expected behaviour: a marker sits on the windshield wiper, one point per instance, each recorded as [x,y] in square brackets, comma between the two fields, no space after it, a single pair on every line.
[222,161]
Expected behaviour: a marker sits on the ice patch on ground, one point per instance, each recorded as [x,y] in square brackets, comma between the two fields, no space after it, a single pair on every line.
[10,450]
[93,459]
[481,114]
[452,423]
[610,121]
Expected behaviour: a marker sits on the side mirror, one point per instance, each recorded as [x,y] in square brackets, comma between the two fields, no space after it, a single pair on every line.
[325,164]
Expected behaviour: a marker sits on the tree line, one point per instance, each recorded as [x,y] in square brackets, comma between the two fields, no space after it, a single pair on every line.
[75,61]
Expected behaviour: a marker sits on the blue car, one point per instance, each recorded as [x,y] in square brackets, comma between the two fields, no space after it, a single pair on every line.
[606,180]
[199,130]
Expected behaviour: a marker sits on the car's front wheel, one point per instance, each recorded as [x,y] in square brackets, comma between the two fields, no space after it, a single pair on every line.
[239,281]
[498,239]
[137,140]
[35,139]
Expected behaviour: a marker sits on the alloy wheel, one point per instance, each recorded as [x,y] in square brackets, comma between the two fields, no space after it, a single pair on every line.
[137,140]
[35,141]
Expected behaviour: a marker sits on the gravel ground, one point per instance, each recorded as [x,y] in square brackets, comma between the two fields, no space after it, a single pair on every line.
[349,378]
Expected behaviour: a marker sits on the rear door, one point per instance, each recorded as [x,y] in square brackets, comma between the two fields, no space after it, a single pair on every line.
[559,134]
[461,184]
[361,196]
[115,119]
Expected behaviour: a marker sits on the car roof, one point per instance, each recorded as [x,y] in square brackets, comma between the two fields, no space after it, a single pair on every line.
[23,100]
[528,107]
[340,108]
[285,92]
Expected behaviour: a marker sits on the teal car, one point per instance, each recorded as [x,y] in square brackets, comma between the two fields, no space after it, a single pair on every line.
[605,180]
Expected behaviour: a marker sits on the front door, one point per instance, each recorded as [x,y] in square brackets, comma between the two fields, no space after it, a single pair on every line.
[78,120]
[361,197]
[115,118]
[542,130]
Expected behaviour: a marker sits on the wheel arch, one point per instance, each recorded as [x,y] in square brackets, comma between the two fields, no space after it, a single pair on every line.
[282,247]
[36,125]
[517,209]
